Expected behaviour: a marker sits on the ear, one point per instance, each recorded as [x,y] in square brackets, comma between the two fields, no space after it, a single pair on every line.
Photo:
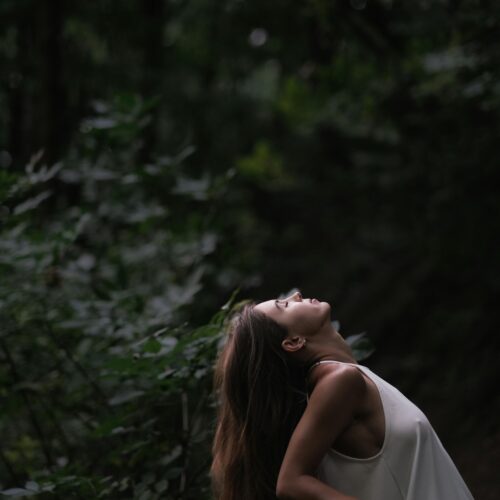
[293,344]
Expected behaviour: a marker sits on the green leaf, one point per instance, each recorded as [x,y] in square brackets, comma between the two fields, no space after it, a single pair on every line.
[18,492]
[362,347]
[151,345]
[161,486]
[173,472]
[106,427]
[125,396]
[32,485]
[120,364]
[32,203]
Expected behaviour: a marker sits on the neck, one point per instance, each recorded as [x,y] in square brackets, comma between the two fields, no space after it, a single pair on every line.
[333,348]
[329,345]
[343,355]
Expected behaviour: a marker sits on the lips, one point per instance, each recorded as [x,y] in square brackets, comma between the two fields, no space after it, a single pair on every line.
[314,301]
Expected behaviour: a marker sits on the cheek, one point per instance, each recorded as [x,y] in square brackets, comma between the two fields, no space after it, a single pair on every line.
[306,323]
[319,318]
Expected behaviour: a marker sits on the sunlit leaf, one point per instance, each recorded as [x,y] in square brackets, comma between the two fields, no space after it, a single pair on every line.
[125,397]
[18,492]
[32,202]
[362,347]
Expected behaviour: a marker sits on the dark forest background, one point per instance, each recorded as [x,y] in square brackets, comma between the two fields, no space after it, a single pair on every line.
[162,161]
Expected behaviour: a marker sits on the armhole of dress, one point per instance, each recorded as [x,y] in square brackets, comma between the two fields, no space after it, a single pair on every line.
[385,410]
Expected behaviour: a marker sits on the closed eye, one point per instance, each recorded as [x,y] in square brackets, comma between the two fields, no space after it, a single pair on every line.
[276,303]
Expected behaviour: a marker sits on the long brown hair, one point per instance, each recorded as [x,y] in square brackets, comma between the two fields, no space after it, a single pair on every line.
[262,395]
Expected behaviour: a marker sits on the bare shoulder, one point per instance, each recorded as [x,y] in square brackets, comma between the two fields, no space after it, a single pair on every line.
[336,399]
[337,385]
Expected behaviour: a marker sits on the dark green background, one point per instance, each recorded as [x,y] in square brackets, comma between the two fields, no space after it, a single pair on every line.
[349,149]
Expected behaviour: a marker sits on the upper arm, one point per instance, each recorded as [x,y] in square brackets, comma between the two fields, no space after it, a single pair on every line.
[334,402]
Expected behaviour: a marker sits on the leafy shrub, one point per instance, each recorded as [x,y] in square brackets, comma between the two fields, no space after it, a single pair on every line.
[106,386]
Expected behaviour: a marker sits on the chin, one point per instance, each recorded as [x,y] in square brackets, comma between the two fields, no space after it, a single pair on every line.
[327,309]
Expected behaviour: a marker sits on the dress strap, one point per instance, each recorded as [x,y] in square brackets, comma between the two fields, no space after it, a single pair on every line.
[316,364]
[323,361]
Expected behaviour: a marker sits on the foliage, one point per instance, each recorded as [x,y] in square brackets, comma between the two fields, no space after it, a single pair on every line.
[108,386]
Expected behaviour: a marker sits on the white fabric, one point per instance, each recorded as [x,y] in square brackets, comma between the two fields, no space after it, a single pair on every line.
[411,465]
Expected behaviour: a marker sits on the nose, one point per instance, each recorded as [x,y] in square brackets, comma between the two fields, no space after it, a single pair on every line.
[297,296]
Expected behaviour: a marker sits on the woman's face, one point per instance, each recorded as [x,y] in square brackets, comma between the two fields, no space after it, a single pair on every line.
[300,316]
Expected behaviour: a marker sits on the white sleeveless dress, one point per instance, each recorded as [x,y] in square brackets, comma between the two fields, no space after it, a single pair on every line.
[411,465]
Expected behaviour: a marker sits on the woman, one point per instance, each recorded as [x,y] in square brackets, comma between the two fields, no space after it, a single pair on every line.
[299,418]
